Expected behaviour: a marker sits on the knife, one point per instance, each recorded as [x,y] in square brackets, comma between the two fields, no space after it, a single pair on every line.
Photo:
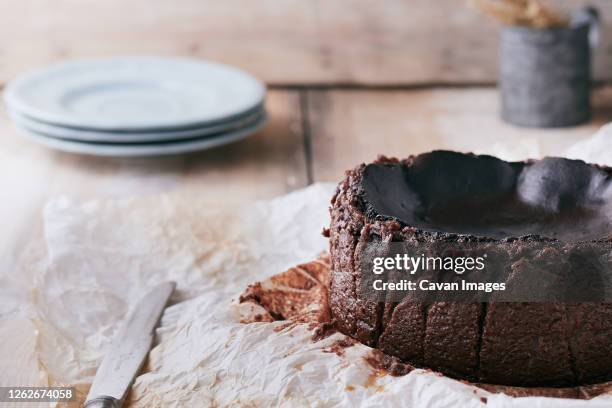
[128,351]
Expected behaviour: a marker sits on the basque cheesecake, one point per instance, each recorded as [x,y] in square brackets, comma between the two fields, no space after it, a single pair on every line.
[538,218]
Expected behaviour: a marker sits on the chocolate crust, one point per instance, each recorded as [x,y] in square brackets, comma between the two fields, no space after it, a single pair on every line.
[515,344]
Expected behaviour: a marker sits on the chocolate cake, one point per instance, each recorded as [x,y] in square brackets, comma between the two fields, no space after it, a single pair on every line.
[537,217]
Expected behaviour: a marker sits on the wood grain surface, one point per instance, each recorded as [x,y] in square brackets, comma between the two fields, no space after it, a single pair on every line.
[395,42]
[348,127]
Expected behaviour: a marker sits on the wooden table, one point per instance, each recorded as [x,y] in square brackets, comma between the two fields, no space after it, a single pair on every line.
[314,134]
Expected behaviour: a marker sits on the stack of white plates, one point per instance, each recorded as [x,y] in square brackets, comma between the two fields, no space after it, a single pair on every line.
[136,106]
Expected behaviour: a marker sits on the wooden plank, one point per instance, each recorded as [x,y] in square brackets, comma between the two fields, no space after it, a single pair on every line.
[281,41]
[349,127]
[17,359]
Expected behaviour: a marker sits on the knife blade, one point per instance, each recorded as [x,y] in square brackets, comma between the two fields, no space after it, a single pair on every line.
[128,351]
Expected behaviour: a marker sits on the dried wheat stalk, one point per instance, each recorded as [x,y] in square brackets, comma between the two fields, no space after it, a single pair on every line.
[530,13]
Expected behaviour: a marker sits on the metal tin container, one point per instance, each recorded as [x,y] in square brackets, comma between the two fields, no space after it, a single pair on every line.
[545,74]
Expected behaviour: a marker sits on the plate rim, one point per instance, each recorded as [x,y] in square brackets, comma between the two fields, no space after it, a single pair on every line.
[142,149]
[14,101]
[90,135]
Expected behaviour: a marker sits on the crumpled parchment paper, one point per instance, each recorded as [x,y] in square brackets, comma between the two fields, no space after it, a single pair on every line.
[103,255]
[596,149]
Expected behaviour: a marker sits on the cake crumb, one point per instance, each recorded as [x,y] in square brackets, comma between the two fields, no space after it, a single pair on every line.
[322,330]
[338,347]
[380,361]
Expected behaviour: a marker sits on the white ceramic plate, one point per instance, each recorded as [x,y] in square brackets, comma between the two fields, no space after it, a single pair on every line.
[135,93]
[86,135]
[143,149]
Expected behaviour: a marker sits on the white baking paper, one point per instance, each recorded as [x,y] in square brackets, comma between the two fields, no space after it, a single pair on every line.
[103,255]
[596,149]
